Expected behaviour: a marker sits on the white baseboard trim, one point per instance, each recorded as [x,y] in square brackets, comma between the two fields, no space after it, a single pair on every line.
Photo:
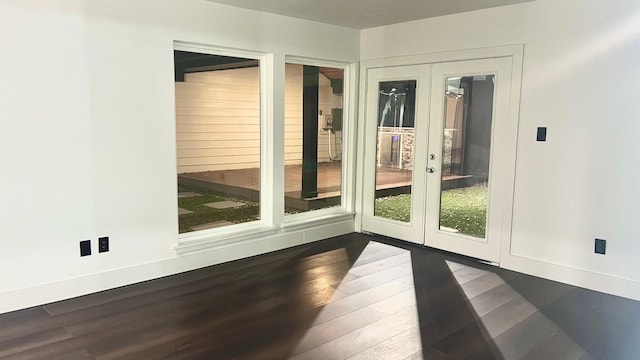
[88,284]
[578,277]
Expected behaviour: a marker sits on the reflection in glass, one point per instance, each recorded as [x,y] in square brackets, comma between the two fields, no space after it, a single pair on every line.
[468,113]
[313,137]
[218,140]
[394,157]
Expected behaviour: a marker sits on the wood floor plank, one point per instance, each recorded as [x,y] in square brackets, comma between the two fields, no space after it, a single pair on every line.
[507,315]
[468,273]
[357,341]
[522,337]
[492,299]
[382,264]
[557,346]
[374,279]
[24,323]
[481,285]
[464,341]
[397,347]
[356,301]
[33,340]
[330,330]
[429,354]
[395,303]
[356,295]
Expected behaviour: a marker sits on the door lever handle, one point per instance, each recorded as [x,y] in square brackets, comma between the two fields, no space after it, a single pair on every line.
[431,170]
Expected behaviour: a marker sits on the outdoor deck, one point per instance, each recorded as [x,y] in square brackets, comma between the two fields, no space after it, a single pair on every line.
[245,184]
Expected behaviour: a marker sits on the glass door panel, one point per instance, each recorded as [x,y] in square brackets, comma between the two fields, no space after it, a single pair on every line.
[466,145]
[394,150]
[465,182]
[395,116]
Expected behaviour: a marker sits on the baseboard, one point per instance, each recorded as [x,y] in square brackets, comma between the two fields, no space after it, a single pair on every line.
[578,277]
[88,284]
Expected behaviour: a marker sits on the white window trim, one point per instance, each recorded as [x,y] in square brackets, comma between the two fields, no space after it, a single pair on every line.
[272,220]
[264,226]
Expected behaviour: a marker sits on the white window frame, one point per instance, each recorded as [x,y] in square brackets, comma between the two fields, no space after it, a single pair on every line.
[347,186]
[265,225]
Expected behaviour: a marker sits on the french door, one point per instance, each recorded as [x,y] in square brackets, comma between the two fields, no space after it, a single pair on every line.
[397,101]
[436,159]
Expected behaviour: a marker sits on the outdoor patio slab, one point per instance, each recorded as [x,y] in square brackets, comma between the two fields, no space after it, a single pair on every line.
[211,225]
[187,194]
[225,204]
[182,211]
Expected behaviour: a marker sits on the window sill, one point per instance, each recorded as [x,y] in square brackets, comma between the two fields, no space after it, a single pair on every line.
[237,234]
[207,239]
[294,222]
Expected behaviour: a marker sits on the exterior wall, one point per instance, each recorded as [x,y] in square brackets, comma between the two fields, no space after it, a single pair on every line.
[293,116]
[581,183]
[89,136]
[218,119]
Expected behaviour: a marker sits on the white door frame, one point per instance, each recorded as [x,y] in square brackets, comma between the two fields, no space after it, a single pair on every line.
[516,52]
[412,231]
[487,248]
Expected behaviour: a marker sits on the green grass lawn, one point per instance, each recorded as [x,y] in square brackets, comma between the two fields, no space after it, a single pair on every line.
[463,209]
[204,214]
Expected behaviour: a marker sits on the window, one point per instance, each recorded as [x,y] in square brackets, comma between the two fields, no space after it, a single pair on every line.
[313,137]
[218,140]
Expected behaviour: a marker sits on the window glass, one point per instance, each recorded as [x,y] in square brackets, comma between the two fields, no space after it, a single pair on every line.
[218,140]
[313,137]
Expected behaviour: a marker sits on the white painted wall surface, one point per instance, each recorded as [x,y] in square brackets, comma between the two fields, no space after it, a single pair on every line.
[580,79]
[88,135]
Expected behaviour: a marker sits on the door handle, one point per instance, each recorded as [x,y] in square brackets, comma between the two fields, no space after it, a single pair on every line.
[431,170]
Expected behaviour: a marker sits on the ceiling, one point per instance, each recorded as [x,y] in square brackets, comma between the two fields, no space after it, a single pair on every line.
[362,14]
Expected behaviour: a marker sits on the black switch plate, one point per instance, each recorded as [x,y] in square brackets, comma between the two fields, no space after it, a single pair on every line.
[103,244]
[542,134]
[601,246]
[85,248]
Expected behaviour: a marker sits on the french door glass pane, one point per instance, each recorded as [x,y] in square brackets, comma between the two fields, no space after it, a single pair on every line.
[468,113]
[394,151]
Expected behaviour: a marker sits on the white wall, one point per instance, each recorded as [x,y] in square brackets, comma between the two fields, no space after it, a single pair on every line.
[580,80]
[88,135]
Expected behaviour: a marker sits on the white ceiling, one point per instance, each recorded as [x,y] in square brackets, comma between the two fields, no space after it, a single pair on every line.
[362,14]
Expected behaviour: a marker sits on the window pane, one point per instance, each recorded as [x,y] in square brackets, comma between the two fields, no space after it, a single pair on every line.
[465,154]
[394,158]
[218,140]
[313,137]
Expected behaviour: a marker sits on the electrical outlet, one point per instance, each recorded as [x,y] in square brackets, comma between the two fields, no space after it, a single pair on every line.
[103,244]
[85,248]
[542,134]
[601,246]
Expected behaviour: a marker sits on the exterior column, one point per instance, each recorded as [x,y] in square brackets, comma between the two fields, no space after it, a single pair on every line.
[310,132]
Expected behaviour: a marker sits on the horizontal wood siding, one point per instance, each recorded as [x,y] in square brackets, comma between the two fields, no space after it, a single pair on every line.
[293,116]
[218,120]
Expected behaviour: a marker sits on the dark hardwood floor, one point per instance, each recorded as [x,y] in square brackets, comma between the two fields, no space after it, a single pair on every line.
[350,297]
